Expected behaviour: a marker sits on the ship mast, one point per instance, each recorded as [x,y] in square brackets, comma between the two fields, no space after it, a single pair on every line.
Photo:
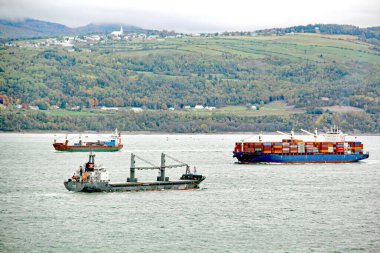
[117,135]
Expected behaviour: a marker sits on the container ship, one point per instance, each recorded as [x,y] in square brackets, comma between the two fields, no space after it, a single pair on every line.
[334,149]
[110,145]
[92,178]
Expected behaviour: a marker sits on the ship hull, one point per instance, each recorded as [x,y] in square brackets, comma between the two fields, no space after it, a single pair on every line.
[132,186]
[93,148]
[304,158]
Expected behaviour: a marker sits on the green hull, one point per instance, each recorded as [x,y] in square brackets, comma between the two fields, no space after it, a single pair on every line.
[132,187]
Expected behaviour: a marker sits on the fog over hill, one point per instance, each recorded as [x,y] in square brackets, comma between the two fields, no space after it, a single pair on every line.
[32,28]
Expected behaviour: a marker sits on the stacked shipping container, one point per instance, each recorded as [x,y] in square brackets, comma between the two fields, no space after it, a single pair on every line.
[299,147]
[267,147]
[356,147]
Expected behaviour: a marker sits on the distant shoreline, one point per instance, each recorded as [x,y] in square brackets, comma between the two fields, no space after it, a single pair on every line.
[158,133]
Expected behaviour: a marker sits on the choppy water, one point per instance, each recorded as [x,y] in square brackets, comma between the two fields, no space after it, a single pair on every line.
[240,208]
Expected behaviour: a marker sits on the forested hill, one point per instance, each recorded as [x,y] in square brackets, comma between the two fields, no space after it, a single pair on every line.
[306,72]
[370,34]
[32,28]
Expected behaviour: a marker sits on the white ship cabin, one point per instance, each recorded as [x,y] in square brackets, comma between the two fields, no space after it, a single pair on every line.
[334,135]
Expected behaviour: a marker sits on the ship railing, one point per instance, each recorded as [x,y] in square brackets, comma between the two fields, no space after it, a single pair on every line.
[148,168]
[151,167]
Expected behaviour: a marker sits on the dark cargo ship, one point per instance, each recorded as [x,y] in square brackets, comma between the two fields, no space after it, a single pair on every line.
[111,145]
[334,149]
[92,178]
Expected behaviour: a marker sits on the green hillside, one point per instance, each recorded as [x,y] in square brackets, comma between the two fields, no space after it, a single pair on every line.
[33,28]
[303,71]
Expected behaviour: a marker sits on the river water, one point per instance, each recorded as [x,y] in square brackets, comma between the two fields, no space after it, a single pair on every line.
[239,208]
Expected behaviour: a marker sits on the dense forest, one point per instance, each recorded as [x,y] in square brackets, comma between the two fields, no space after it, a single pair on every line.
[165,121]
[307,71]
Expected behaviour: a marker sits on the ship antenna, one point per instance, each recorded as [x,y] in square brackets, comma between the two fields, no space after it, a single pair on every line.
[91,158]
[315,134]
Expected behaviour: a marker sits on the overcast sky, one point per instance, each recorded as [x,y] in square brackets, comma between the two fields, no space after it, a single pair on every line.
[197,15]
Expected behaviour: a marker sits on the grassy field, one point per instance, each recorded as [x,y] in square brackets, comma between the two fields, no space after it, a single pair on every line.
[63,112]
[274,108]
[301,46]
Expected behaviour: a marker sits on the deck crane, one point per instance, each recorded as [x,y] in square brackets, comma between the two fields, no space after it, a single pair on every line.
[291,134]
[161,168]
[315,133]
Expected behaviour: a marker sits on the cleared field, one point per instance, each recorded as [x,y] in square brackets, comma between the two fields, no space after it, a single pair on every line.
[337,108]
[71,113]
[313,47]
[275,109]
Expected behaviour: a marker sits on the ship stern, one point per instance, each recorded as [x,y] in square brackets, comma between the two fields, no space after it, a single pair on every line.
[74,186]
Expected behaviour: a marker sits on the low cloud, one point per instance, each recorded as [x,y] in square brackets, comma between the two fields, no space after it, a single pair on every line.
[196,15]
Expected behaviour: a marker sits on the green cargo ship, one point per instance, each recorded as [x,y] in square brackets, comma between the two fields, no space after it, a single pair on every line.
[92,178]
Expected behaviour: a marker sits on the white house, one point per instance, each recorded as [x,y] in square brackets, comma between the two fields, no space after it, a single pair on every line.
[153,36]
[104,108]
[32,107]
[66,44]
[94,38]
[136,109]
[75,108]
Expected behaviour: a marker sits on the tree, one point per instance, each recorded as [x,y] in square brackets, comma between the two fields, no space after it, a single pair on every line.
[164,106]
